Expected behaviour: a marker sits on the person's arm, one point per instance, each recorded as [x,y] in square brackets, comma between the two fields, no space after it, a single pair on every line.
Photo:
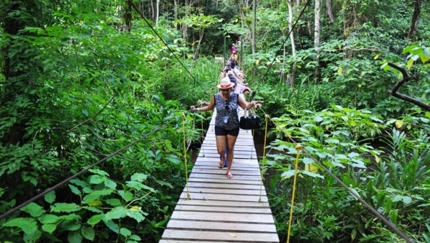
[208,107]
[248,105]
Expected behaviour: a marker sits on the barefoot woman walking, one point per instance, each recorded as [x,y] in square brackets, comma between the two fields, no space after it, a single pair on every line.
[227,120]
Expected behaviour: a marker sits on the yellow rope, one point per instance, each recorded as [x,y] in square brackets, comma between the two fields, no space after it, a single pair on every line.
[266,118]
[185,156]
[298,149]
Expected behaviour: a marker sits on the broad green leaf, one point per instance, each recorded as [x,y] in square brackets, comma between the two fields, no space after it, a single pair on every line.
[32,237]
[139,177]
[287,174]
[65,207]
[407,200]
[78,182]
[93,209]
[87,190]
[163,183]
[95,203]
[28,225]
[74,237]
[88,233]
[94,195]
[312,174]
[116,213]
[111,225]
[393,215]
[410,63]
[97,179]
[49,219]
[425,55]
[139,186]
[50,197]
[332,141]
[318,118]
[110,184]
[113,202]
[49,227]
[135,237]
[126,195]
[70,217]
[95,219]
[71,225]
[307,160]
[33,209]
[74,189]
[99,172]
[125,232]
[136,214]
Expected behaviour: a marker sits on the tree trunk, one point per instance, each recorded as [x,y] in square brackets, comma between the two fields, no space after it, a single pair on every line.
[291,77]
[152,10]
[175,10]
[196,51]
[157,12]
[415,17]
[317,32]
[254,19]
[184,26]
[128,15]
[330,11]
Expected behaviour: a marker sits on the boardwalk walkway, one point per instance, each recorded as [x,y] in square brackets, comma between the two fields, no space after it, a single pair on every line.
[223,210]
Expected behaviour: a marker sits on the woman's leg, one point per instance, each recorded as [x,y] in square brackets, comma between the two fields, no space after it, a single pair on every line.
[231,141]
[221,142]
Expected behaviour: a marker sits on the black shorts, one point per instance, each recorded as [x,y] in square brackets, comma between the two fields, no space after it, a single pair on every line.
[222,132]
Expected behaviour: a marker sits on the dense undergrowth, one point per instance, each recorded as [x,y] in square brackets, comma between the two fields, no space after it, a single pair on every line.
[77,89]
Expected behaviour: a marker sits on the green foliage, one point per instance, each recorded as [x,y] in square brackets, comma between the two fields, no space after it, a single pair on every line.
[79,82]
[103,202]
[78,90]
[392,179]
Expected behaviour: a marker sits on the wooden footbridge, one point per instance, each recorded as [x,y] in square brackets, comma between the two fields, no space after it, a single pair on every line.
[216,209]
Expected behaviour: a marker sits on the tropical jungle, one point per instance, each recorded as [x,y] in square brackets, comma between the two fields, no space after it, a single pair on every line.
[94,109]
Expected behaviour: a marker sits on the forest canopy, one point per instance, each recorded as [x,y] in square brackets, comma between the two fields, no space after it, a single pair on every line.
[94,99]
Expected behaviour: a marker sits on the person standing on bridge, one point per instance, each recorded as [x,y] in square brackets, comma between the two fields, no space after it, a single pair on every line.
[227,119]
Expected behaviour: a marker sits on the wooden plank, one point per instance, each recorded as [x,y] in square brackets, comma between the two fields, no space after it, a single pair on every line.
[224,217]
[223,209]
[191,202]
[217,171]
[223,185]
[236,166]
[221,226]
[216,158]
[236,177]
[213,208]
[223,179]
[227,191]
[223,197]
[237,154]
[221,236]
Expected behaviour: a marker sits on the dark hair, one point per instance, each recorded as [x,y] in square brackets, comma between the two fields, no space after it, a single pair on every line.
[233,62]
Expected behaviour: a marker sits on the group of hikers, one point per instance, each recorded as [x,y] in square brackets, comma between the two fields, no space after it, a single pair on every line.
[232,89]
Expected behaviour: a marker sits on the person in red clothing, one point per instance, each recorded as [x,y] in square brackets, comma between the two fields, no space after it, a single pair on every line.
[233,49]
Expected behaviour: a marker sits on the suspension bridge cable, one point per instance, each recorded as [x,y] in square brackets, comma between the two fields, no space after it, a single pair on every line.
[352,192]
[80,172]
[164,42]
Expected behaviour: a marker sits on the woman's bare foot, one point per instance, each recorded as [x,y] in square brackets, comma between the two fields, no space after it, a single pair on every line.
[229,174]
[221,163]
